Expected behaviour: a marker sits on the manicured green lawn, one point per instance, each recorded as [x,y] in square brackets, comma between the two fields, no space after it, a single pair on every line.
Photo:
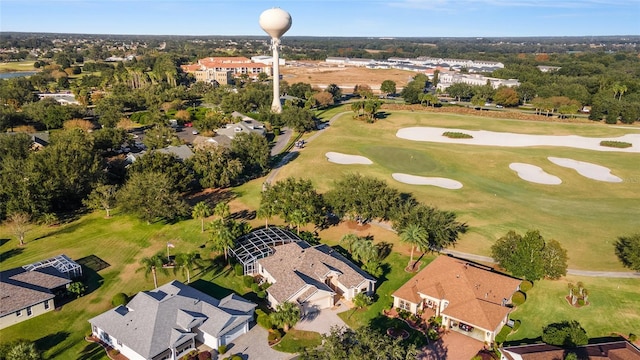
[297,340]
[614,307]
[17,66]
[121,242]
[586,216]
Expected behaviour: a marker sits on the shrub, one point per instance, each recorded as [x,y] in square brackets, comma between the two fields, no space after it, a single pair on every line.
[205,355]
[222,349]
[516,325]
[565,333]
[518,298]
[502,335]
[432,335]
[261,294]
[247,281]
[263,319]
[114,352]
[525,286]
[119,299]
[237,268]
[274,335]
[236,357]
[255,287]
[456,135]
[581,301]
[615,144]
[633,337]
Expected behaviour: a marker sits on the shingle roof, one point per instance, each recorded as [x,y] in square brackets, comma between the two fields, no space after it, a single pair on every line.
[475,293]
[299,267]
[615,350]
[155,320]
[20,288]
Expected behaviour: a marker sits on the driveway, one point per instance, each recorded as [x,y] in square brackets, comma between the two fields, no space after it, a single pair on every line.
[323,320]
[254,346]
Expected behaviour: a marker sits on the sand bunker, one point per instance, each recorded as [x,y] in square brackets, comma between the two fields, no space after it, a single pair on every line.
[534,174]
[490,138]
[588,170]
[421,180]
[346,159]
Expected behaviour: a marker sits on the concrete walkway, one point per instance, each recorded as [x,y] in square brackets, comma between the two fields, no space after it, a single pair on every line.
[255,346]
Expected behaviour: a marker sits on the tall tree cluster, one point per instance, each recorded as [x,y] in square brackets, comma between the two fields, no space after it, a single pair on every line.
[530,256]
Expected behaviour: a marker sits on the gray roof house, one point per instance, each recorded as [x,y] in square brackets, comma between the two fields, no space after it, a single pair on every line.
[30,290]
[166,323]
[246,125]
[311,276]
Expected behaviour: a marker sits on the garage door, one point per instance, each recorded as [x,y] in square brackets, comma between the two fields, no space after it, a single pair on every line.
[231,335]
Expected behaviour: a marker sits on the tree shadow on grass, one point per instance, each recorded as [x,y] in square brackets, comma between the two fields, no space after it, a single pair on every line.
[381,323]
[92,351]
[211,289]
[10,253]
[47,342]
[525,341]
[4,241]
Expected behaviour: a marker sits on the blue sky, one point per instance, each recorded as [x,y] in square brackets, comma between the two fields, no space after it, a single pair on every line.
[369,18]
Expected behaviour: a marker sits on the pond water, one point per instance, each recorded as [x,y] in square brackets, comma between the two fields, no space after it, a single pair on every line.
[10,75]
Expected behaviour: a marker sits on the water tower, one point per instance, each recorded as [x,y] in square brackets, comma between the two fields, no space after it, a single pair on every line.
[275,22]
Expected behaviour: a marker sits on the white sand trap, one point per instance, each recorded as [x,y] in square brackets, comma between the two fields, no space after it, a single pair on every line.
[346,159]
[490,138]
[421,180]
[534,174]
[588,170]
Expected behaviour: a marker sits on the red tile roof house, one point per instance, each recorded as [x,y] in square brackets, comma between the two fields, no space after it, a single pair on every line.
[311,276]
[613,350]
[470,298]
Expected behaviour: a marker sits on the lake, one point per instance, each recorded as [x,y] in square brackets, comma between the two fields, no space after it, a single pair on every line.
[10,75]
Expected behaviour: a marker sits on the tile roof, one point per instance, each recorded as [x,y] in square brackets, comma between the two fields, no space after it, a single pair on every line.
[20,288]
[155,320]
[299,268]
[615,350]
[475,293]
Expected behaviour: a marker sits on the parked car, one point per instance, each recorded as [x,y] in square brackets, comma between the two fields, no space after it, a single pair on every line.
[499,106]
[195,132]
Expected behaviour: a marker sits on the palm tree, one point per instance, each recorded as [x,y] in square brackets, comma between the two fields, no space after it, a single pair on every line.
[222,210]
[265,212]
[186,262]
[150,265]
[200,211]
[364,250]
[297,218]
[222,237]
[287,314]
[415,235]
[350,240]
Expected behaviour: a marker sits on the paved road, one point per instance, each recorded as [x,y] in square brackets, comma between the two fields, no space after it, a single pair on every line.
[294,151]
[283,140]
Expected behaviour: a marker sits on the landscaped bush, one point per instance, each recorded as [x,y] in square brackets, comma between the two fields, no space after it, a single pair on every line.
[236,357]
[432,335]
[518,298]
[255,287]
[114,352]
[237,268]
[261,294]
[581,302]
[119,299]
[205,355]
[456,135]
[633,337]
[502,335]
[248,280]
[615,144]
[516,325]
[263,319]
[274,335]
[525,286]
[222,349]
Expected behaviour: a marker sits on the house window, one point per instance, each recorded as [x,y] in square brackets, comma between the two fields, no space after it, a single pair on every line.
[29,311]
[19,313]
[46,305]
[404,305]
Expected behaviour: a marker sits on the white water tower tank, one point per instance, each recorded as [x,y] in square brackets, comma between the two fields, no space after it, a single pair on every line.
[275,22]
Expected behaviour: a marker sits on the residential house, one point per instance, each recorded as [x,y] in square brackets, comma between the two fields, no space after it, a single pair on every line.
[311,276]
[245,125]
[612,350]
[471,299]
[31,290]
[172,320]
